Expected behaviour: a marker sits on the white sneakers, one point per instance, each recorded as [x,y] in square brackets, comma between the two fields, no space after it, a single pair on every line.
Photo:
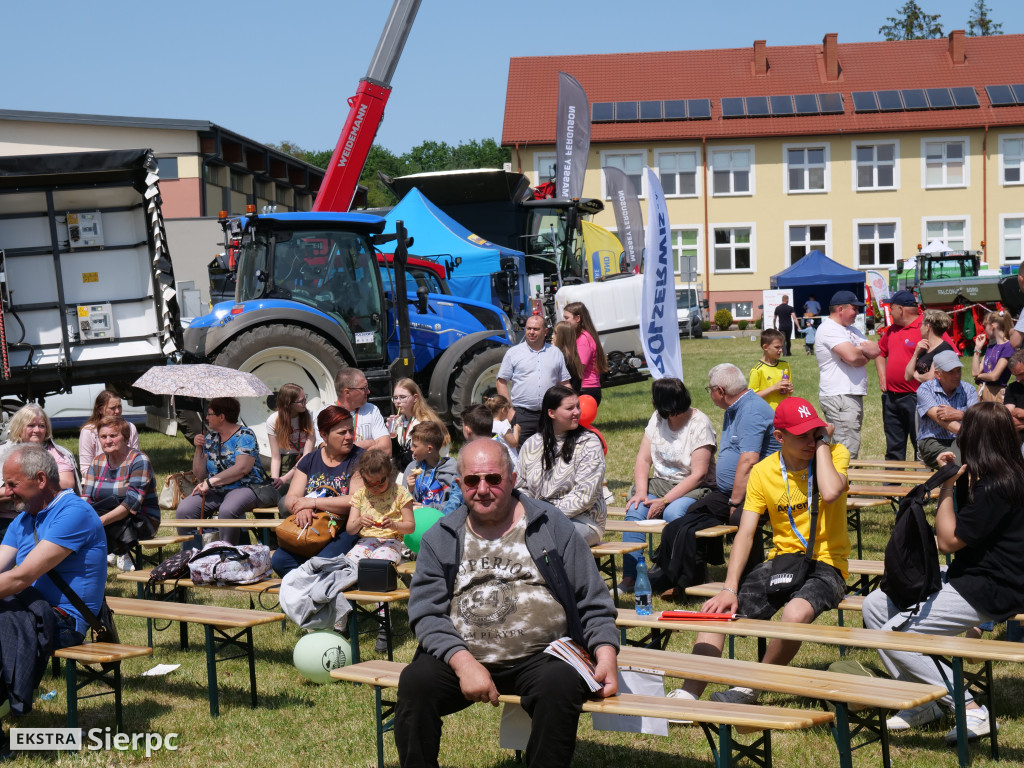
[737,695]
[978,722]
[124,563]
[679,693]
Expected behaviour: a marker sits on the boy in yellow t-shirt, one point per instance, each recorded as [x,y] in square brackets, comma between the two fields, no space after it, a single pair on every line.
[770,377]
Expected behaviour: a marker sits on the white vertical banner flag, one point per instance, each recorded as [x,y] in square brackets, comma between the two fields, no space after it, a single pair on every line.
[659,322]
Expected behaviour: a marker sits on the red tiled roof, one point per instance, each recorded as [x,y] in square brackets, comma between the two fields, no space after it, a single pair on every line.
[532,93]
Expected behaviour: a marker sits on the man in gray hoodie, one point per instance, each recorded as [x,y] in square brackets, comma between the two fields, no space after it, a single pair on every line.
[496,581]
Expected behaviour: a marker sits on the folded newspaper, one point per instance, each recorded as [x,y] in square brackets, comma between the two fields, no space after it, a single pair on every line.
[571,652]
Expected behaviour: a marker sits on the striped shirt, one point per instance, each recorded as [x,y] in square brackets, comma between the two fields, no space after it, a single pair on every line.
[931,394]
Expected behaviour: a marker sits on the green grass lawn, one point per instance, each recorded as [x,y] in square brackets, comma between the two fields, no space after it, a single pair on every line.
[301,724]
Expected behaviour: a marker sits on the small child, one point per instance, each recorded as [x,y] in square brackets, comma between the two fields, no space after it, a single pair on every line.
[770,378]
[477,422]
[381,511]
[429,477]
[501,413]
[808,332]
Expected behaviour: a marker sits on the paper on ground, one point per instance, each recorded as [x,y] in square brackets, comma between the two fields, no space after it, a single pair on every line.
[160,669]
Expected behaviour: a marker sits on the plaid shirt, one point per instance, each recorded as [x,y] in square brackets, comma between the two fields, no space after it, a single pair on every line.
[132,484]
[931,394]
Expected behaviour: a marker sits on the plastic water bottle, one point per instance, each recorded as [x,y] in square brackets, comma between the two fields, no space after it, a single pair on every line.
[642,589]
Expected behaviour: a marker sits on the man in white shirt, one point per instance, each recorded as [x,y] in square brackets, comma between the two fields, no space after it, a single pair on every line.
[843,352]
[353,391]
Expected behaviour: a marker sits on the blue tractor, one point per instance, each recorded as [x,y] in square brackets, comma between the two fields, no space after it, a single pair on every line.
[311,299]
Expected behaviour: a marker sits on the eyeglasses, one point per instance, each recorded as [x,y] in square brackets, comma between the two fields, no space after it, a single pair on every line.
[709,389]
[303,401]
[492,478]
[363,388]
[375,482]
[401,398]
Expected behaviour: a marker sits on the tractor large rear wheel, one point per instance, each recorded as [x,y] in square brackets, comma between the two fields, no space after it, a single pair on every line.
[475,379]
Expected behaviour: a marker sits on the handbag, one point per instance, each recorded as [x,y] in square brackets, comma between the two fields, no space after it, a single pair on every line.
[222,563]
[307,540]
[174,567]
[376,576]
[789,571]
[176,487]
[123,535]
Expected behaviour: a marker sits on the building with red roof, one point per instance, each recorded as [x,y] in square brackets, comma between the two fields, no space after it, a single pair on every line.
[860,150]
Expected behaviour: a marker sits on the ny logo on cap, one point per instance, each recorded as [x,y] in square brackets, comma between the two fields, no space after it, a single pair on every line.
[804,411]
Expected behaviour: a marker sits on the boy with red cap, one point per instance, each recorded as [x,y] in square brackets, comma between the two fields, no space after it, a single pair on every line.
[778,485]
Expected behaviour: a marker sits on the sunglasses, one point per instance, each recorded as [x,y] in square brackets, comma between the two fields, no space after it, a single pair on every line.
[492,478]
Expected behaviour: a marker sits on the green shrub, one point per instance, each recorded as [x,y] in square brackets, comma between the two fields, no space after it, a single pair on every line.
[759,323]
[706,325]
[742,324]
[723,319]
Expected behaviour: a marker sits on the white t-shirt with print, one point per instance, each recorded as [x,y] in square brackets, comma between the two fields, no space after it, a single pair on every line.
[671,451]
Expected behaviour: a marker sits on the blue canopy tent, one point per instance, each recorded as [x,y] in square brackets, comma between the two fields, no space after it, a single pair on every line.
[819,276]
[437,235]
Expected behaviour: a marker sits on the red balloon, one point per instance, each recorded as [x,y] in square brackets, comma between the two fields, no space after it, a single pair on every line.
[588,410]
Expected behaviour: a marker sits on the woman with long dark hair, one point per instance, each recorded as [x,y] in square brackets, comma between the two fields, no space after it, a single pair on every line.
[984,531]
[588,345]
[563,464]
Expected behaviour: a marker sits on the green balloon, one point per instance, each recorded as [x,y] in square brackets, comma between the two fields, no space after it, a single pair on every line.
[317,653]
[425,517]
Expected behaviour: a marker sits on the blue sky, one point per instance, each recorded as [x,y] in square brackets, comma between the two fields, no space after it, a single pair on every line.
[277,71]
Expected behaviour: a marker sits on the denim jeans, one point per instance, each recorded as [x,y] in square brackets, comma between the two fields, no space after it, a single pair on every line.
[283,561]
[67,633]
[673,511]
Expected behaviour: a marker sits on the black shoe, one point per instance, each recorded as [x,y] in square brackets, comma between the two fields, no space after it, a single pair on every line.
[381,646]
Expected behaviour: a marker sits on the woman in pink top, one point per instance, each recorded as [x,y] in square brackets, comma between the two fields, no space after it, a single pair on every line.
[588,344]
[108,403]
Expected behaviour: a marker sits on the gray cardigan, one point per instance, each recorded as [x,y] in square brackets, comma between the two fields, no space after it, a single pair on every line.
[561,555]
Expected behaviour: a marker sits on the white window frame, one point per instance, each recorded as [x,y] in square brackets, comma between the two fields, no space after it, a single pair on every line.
[897,240]
[642,189]
[827,181]
[752,226]
[699,246]
[697,180]
[925,220]
[895,168]
[732,304]
[1002,160]
[539,160]
[786,242]
[1003,217]
[966,141]
[749,149]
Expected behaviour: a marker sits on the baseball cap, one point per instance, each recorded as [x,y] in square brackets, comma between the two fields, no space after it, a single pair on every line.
[903,298]
[845,297]
[947,360]
[796,415]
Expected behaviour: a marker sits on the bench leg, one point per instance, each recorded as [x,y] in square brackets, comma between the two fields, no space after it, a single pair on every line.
[353,633]
[252,664]
[211,672]
[71,680]
[841,734]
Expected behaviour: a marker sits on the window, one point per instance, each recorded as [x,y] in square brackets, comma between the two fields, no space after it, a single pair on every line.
[945,163]
[1011,155]
[953,232]
[806,169]
[544,167]
[733,250]
[741,310]
[630,163]
[732,172]
[167,167]
[876,166]
[804,238]
[678,173]
[1011,233]
[686,253]
[214,174]
[239,182]
[876,244]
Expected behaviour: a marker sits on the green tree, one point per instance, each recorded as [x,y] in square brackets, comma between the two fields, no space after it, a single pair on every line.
[384,160]
[429,156]
[912,23]
[480,154]
[979,24]
[321,158]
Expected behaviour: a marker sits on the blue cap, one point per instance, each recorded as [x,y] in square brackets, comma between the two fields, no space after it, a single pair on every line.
[845,297]
[903,298]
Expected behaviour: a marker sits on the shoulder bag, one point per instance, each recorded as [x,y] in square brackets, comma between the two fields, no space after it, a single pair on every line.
[309,540]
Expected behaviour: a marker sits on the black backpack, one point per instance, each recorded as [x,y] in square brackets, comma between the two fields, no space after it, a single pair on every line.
[911,557]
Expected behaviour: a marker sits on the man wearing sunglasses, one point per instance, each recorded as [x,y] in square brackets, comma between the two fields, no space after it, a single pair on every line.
[496,581]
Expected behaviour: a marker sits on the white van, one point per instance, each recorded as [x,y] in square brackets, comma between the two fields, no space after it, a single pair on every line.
[690,311]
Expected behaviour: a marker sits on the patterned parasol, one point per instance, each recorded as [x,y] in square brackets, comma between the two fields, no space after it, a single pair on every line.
[202,381]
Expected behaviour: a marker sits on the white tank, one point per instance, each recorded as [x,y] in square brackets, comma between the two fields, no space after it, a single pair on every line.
[614,306]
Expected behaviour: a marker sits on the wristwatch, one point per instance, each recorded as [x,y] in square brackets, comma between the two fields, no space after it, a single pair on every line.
[822,439]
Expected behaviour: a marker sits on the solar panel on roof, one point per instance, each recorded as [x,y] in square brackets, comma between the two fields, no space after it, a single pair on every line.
[1018,93]
[830,103]
[866,101]
[939,98]
[781,105]
[650,110]
[1000,95]
[965,96]
[675,109]
[890,101]
[733,107]
[602,112]
[806,104]
[626,112]
[913,98]
[757,106]
[699,109]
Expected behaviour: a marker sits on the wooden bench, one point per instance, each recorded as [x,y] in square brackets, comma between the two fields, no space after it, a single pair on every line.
[176,592]
[887,464]
[710,715]
[140,557]
[225,628]
[80,672]
[938,647]
[264,525]
[860,703]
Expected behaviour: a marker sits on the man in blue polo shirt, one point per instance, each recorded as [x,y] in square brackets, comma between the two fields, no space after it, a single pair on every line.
[941,403]
[532,367]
